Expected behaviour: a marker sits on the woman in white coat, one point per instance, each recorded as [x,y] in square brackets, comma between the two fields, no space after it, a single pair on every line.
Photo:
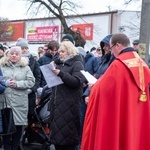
[19,79]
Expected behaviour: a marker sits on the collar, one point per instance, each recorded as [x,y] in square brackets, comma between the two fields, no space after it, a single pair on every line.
[129,49]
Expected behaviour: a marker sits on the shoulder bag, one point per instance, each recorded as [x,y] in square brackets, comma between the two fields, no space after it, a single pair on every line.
[7,124]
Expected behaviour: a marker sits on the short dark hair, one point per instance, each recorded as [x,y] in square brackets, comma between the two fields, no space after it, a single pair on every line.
[53,45]
[120,38]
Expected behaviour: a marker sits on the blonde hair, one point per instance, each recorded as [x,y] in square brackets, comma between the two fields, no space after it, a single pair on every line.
[69,47]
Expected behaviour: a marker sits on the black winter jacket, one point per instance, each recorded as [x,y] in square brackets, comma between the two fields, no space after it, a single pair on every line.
[65,125]
[105,61]
[34,66]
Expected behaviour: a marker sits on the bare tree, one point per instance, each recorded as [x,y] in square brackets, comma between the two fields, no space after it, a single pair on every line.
[128,2]
[59,9]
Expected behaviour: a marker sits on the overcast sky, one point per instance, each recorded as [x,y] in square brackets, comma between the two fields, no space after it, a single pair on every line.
[16,9]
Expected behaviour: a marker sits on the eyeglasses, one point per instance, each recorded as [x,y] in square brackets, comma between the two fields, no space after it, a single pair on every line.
[98,49]
[112,46]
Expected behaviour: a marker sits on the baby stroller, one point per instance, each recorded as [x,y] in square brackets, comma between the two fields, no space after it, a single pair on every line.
[37,130]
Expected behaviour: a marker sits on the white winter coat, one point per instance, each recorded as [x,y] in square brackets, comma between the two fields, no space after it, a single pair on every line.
[17,98]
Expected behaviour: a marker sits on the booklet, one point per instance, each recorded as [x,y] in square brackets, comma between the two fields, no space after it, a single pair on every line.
[89,77]
[50,77]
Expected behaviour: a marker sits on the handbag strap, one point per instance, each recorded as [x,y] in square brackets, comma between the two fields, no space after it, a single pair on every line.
[5,101]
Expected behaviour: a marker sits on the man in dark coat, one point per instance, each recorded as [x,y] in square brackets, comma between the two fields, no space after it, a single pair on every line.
[106,58]
[50,55]
[105,61]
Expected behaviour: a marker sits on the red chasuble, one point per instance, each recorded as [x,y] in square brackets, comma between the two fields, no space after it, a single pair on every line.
[118,113]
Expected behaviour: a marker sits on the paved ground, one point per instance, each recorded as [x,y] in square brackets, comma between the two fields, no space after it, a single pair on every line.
[38,147]
[35,146]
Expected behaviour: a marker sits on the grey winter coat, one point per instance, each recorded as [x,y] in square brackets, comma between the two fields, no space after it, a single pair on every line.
[17,98]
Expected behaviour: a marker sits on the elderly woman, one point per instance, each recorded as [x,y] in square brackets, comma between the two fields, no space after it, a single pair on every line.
[65,124]
[19,78]
[34,66]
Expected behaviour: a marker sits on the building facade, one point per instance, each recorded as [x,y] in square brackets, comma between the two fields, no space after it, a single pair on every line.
[93,27]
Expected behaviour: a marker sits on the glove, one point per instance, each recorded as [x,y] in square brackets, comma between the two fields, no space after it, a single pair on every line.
[29,91]
[39,92]
[7,82]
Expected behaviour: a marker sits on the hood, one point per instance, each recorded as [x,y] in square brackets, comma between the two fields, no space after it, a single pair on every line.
[22,63]
[105,41]
[81,51]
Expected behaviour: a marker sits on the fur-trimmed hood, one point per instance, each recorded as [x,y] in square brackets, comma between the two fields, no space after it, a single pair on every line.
[22,62]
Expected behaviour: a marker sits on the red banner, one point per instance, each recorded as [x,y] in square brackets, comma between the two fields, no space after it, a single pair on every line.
[46,33]
[13,31]
[86,30]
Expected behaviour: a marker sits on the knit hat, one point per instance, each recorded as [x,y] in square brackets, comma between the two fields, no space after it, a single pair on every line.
[15,49]
[136,42]
[34,54]
[68,37]
[1,47]
[22,42]
[5,47]
[92,49]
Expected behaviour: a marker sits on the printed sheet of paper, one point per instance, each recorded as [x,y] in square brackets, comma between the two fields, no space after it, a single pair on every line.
[51,78]
[89,77]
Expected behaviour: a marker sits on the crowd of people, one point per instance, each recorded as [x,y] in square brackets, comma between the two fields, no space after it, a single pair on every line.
[111,114]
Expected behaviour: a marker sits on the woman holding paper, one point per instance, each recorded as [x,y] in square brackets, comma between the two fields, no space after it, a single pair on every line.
[65,123]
